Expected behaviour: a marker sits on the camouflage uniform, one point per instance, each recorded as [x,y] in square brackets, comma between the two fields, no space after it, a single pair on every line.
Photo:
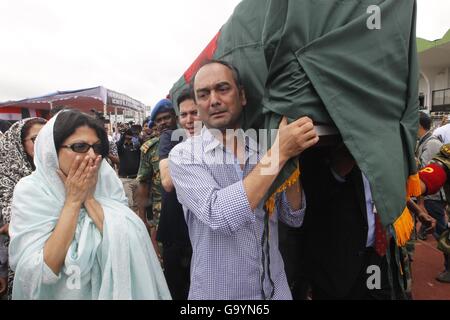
[149,173]
[407,252]
[443,157]
[405,271]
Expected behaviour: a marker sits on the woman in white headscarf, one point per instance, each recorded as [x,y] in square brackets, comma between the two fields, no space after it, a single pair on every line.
[16,162]
[72,234]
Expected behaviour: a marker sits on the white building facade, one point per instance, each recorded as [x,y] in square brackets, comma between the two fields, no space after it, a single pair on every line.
[434,85]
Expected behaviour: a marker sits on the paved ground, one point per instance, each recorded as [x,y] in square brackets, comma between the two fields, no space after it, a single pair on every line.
[428,263]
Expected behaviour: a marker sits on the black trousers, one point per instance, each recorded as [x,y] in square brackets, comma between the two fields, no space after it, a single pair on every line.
[177,264]
[360,289]
[291,245]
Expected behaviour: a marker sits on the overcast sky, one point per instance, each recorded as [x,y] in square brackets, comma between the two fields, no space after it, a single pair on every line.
[136,47]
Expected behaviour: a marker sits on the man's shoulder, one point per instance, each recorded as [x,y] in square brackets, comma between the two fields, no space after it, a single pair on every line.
[166,134]
[191,148]
[445,150]
[445,129]
[443,156]
[432,140]
[151,143]
[187,145]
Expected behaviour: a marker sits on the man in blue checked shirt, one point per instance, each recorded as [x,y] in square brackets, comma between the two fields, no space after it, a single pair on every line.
[221,180]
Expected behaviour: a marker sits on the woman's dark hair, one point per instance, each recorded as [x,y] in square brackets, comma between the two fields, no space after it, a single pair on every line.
[26,130]
[68,121]
[28,125]
[4,125]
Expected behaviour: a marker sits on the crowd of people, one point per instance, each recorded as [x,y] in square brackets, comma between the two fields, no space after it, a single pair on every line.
[148,212]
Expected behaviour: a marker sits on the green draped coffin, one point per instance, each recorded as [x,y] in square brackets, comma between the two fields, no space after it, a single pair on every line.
[351,64]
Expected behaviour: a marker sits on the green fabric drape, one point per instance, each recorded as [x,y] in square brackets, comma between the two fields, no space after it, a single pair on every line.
[318,58]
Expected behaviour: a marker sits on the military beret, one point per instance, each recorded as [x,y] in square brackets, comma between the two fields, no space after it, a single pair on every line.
[164,105]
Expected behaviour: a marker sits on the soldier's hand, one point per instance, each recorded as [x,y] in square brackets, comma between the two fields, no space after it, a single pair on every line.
[427,221]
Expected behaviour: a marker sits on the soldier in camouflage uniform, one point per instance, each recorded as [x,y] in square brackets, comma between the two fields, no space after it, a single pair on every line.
[149,174]
[433,177]
[163,117]
[426,148]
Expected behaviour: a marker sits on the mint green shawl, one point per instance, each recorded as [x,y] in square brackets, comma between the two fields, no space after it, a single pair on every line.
[118,264]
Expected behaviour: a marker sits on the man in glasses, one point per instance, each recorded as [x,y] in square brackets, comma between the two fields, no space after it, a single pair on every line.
[149,190]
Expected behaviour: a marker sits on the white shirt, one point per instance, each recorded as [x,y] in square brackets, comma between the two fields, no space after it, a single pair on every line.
[443,133]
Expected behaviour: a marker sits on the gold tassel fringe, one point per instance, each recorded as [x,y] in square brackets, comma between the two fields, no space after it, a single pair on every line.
[270,203]
[413,186]
[404,226]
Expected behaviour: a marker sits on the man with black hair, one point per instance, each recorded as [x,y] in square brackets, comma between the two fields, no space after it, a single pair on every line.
[427,147]
[221,179]
[113,156]
[172,230]
[428,144]
[433,158]
[149,189]
[129,152]
[147,133]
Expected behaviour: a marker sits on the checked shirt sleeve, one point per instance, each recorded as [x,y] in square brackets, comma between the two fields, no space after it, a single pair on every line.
[290,217]
[224,210]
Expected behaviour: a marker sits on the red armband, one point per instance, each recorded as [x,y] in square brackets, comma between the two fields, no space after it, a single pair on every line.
[433,176]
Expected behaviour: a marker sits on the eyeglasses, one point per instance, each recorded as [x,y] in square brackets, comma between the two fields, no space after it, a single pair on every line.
[82,147]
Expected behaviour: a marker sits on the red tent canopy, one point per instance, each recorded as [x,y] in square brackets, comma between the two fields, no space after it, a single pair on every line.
[98,98]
